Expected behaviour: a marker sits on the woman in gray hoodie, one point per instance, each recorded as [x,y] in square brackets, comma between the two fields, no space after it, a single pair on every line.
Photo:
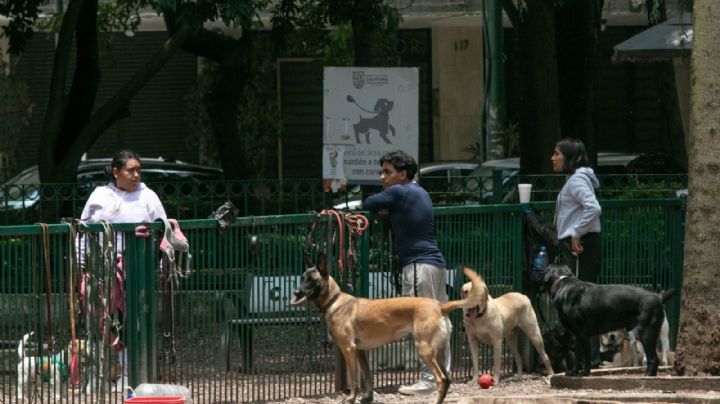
[577,211]
[577,218]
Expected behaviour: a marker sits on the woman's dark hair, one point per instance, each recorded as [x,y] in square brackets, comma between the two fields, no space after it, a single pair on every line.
[401,161]
[575,154]
[119,161]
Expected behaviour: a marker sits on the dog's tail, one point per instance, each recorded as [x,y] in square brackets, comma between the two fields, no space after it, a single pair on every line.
[478,294]
[21,345]
[667,294]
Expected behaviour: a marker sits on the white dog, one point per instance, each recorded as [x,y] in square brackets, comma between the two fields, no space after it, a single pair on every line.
[52,369]
[638,353]
[498,318]
[615,349]
[627,349]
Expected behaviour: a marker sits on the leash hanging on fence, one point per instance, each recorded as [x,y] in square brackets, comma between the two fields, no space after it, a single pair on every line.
[47,282]
[350,223]
[174,264]
[102,296]
[356,224]
[114,298]
[71,264]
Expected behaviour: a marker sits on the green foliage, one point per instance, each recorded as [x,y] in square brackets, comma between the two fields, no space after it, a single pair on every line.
[641,190]
[323,29]
[238,13]
[510,140]
[338,49]
[21,15]
[24,16]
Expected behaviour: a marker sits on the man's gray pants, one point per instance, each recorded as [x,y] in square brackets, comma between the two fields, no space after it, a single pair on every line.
[426,280]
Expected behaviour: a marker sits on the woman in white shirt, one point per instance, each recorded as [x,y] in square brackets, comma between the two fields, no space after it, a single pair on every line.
[124,199]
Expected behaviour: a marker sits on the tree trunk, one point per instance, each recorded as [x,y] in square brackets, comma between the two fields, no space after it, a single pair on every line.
[70,126]
[540,115]
[222,103]
[222,106]
[578,31]
[698,351]
[361,40]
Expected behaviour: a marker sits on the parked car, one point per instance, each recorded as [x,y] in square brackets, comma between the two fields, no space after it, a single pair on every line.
[452,183]
[481,181]
[436,177]
[22,191]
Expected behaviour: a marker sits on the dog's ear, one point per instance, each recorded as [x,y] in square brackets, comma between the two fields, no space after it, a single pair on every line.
[308,261]
[565,270]
[322,265]
[378,105]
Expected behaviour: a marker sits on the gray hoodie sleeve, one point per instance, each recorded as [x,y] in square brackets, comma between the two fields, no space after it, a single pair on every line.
[582,188]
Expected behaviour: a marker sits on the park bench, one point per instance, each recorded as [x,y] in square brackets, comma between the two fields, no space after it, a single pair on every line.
[264,301]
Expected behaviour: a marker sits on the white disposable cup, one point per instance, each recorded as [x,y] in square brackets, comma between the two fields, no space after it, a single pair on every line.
[524,192]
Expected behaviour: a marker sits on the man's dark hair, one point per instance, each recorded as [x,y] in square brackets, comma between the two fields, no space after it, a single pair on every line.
[401,161]
[575,154]
[119,161]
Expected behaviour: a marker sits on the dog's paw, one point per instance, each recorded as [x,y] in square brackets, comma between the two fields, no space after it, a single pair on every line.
[578,372]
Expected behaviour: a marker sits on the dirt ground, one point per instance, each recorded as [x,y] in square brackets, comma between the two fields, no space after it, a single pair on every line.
[534,389]
[529,385]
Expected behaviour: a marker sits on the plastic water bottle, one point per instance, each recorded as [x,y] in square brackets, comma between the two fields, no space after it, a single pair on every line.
[165,390]
[541,260]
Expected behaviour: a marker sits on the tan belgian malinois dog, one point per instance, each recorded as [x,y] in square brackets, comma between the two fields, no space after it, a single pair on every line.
[358,325]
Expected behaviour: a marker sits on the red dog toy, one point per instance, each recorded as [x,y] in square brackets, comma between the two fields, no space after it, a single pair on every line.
[485,381]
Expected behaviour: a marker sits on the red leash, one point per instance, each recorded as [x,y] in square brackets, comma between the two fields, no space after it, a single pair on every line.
[356,223]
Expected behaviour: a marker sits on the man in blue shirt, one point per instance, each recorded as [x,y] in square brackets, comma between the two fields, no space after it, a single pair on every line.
[413,227]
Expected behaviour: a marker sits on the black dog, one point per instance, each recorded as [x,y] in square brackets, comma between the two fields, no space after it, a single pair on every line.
[380,122]
[587,310]
[560,347]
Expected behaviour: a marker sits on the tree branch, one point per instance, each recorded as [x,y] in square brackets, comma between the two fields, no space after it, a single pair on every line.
[117,107]
[204,43]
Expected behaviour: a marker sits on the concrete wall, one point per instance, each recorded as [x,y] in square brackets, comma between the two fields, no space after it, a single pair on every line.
[457,49]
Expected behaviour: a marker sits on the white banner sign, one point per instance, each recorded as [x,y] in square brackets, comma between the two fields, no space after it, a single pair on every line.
[368,111]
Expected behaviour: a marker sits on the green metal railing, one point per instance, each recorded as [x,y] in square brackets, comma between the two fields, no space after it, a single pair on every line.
[23,203]
[235,338]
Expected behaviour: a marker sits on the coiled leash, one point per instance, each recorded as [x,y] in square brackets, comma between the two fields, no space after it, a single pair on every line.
[347,256]
[174,264]
[71,282]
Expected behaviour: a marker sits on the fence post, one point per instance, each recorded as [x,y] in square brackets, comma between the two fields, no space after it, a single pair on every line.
[140,262]
[497,186]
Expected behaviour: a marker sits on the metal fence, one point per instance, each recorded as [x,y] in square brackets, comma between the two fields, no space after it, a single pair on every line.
[23,203]
[227,332]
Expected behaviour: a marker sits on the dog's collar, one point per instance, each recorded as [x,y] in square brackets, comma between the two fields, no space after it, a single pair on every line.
[479,313]
[554,286]
[323,308]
